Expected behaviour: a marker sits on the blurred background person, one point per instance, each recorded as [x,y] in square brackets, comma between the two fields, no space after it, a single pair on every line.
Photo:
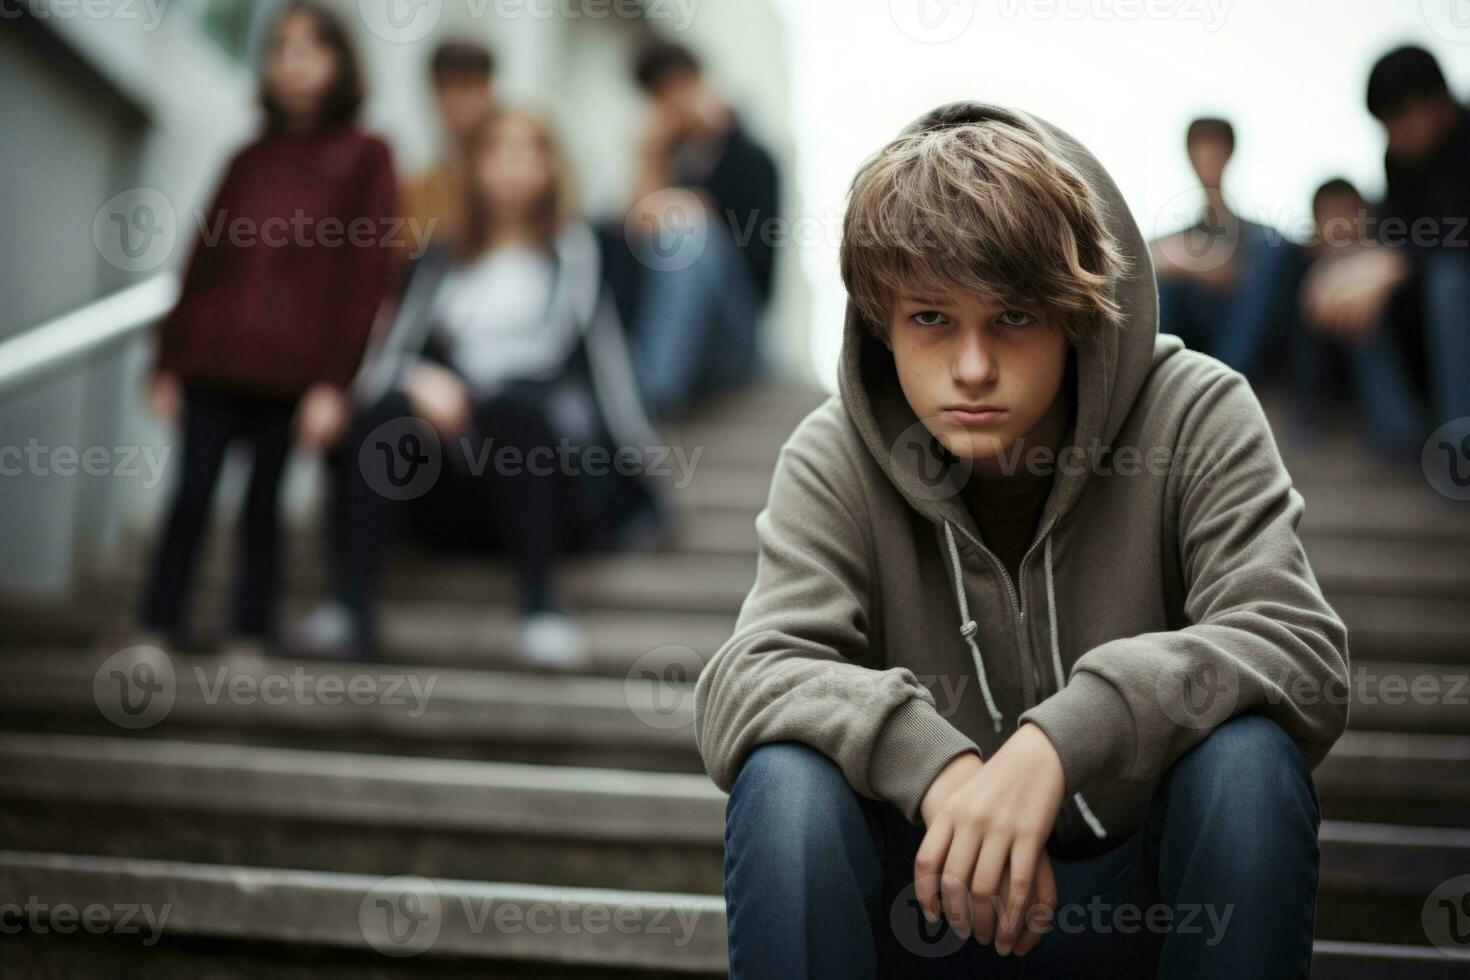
[506,344]
[271,324]
[1423,220]
[462,73]
[696,318]
[1226,284]
[1370,349]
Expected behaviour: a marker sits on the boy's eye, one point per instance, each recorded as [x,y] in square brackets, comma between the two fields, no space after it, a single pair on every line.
[1016,318]
[928,318]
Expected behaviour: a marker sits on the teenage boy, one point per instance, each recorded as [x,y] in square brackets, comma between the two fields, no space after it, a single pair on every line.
[696,325]
[1226,284]
[977,685]
[1423,219]
[462,73]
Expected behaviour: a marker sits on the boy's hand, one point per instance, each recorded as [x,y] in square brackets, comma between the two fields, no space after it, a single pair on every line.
[988,825]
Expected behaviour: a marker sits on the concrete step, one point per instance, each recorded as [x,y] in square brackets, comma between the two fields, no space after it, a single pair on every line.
[650,708]
[707,526]
[523,717]
[435,918]
[1333,960]
[370,918]
[643,720]
[563,826]
[1347,569]
[460,633]
[1387,777]
[356,812]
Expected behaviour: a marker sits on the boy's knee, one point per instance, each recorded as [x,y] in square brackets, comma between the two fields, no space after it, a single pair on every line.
[793,796]
[1249,764]
[1446,279]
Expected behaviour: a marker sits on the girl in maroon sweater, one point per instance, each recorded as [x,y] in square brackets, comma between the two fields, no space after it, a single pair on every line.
[293,259]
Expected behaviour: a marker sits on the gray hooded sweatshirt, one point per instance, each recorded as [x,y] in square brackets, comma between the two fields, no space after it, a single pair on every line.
[1166,589]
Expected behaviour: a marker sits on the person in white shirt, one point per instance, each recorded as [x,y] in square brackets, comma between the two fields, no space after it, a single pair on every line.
[505,351]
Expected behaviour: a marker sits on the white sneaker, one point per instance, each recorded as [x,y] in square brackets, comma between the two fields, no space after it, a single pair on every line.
[327,632]
[554,641]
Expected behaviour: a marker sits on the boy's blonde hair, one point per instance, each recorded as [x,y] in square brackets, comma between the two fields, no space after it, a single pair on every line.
[986,207]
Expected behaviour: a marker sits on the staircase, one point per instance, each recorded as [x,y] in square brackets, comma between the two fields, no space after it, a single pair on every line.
[449,812]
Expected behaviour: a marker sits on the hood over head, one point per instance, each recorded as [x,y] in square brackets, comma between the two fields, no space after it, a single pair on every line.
[1111,365]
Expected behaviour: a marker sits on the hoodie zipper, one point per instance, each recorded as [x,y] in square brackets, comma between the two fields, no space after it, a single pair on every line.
[1063,827]
[1022,631]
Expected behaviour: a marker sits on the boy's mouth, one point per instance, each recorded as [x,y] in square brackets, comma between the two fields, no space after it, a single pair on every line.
[974,414]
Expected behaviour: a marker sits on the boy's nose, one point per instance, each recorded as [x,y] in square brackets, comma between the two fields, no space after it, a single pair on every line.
[973,363]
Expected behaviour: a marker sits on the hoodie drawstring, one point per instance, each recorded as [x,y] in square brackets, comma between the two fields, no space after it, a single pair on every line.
[968,629]
[1093,824]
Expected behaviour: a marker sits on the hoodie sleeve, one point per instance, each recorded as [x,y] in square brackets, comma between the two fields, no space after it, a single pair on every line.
[791,669]
[1262,639]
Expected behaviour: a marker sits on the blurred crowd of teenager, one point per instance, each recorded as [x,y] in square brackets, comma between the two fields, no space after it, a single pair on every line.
[481,366]
[487,371]
[1368,321]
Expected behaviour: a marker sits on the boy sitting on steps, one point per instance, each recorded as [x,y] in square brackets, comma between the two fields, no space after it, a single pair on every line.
[1034,655]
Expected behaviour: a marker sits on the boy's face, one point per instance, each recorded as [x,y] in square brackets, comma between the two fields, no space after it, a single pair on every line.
[464,98]
[980,375]
[1415,129]
[1339,218]
[1209,155]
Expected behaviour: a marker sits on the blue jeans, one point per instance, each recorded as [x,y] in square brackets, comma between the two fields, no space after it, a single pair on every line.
[1238,325]
[1393,417]
[696,330]
[1220,881]
[1445,276]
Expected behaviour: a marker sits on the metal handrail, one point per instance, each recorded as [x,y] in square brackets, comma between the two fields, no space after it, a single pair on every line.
[55,344]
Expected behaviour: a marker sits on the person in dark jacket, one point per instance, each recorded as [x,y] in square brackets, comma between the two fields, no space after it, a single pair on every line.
[1424,221]
[701,235]
[277,302]
[500,413]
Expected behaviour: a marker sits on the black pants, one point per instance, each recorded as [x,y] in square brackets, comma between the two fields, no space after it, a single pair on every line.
[486,489]
[212,420]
